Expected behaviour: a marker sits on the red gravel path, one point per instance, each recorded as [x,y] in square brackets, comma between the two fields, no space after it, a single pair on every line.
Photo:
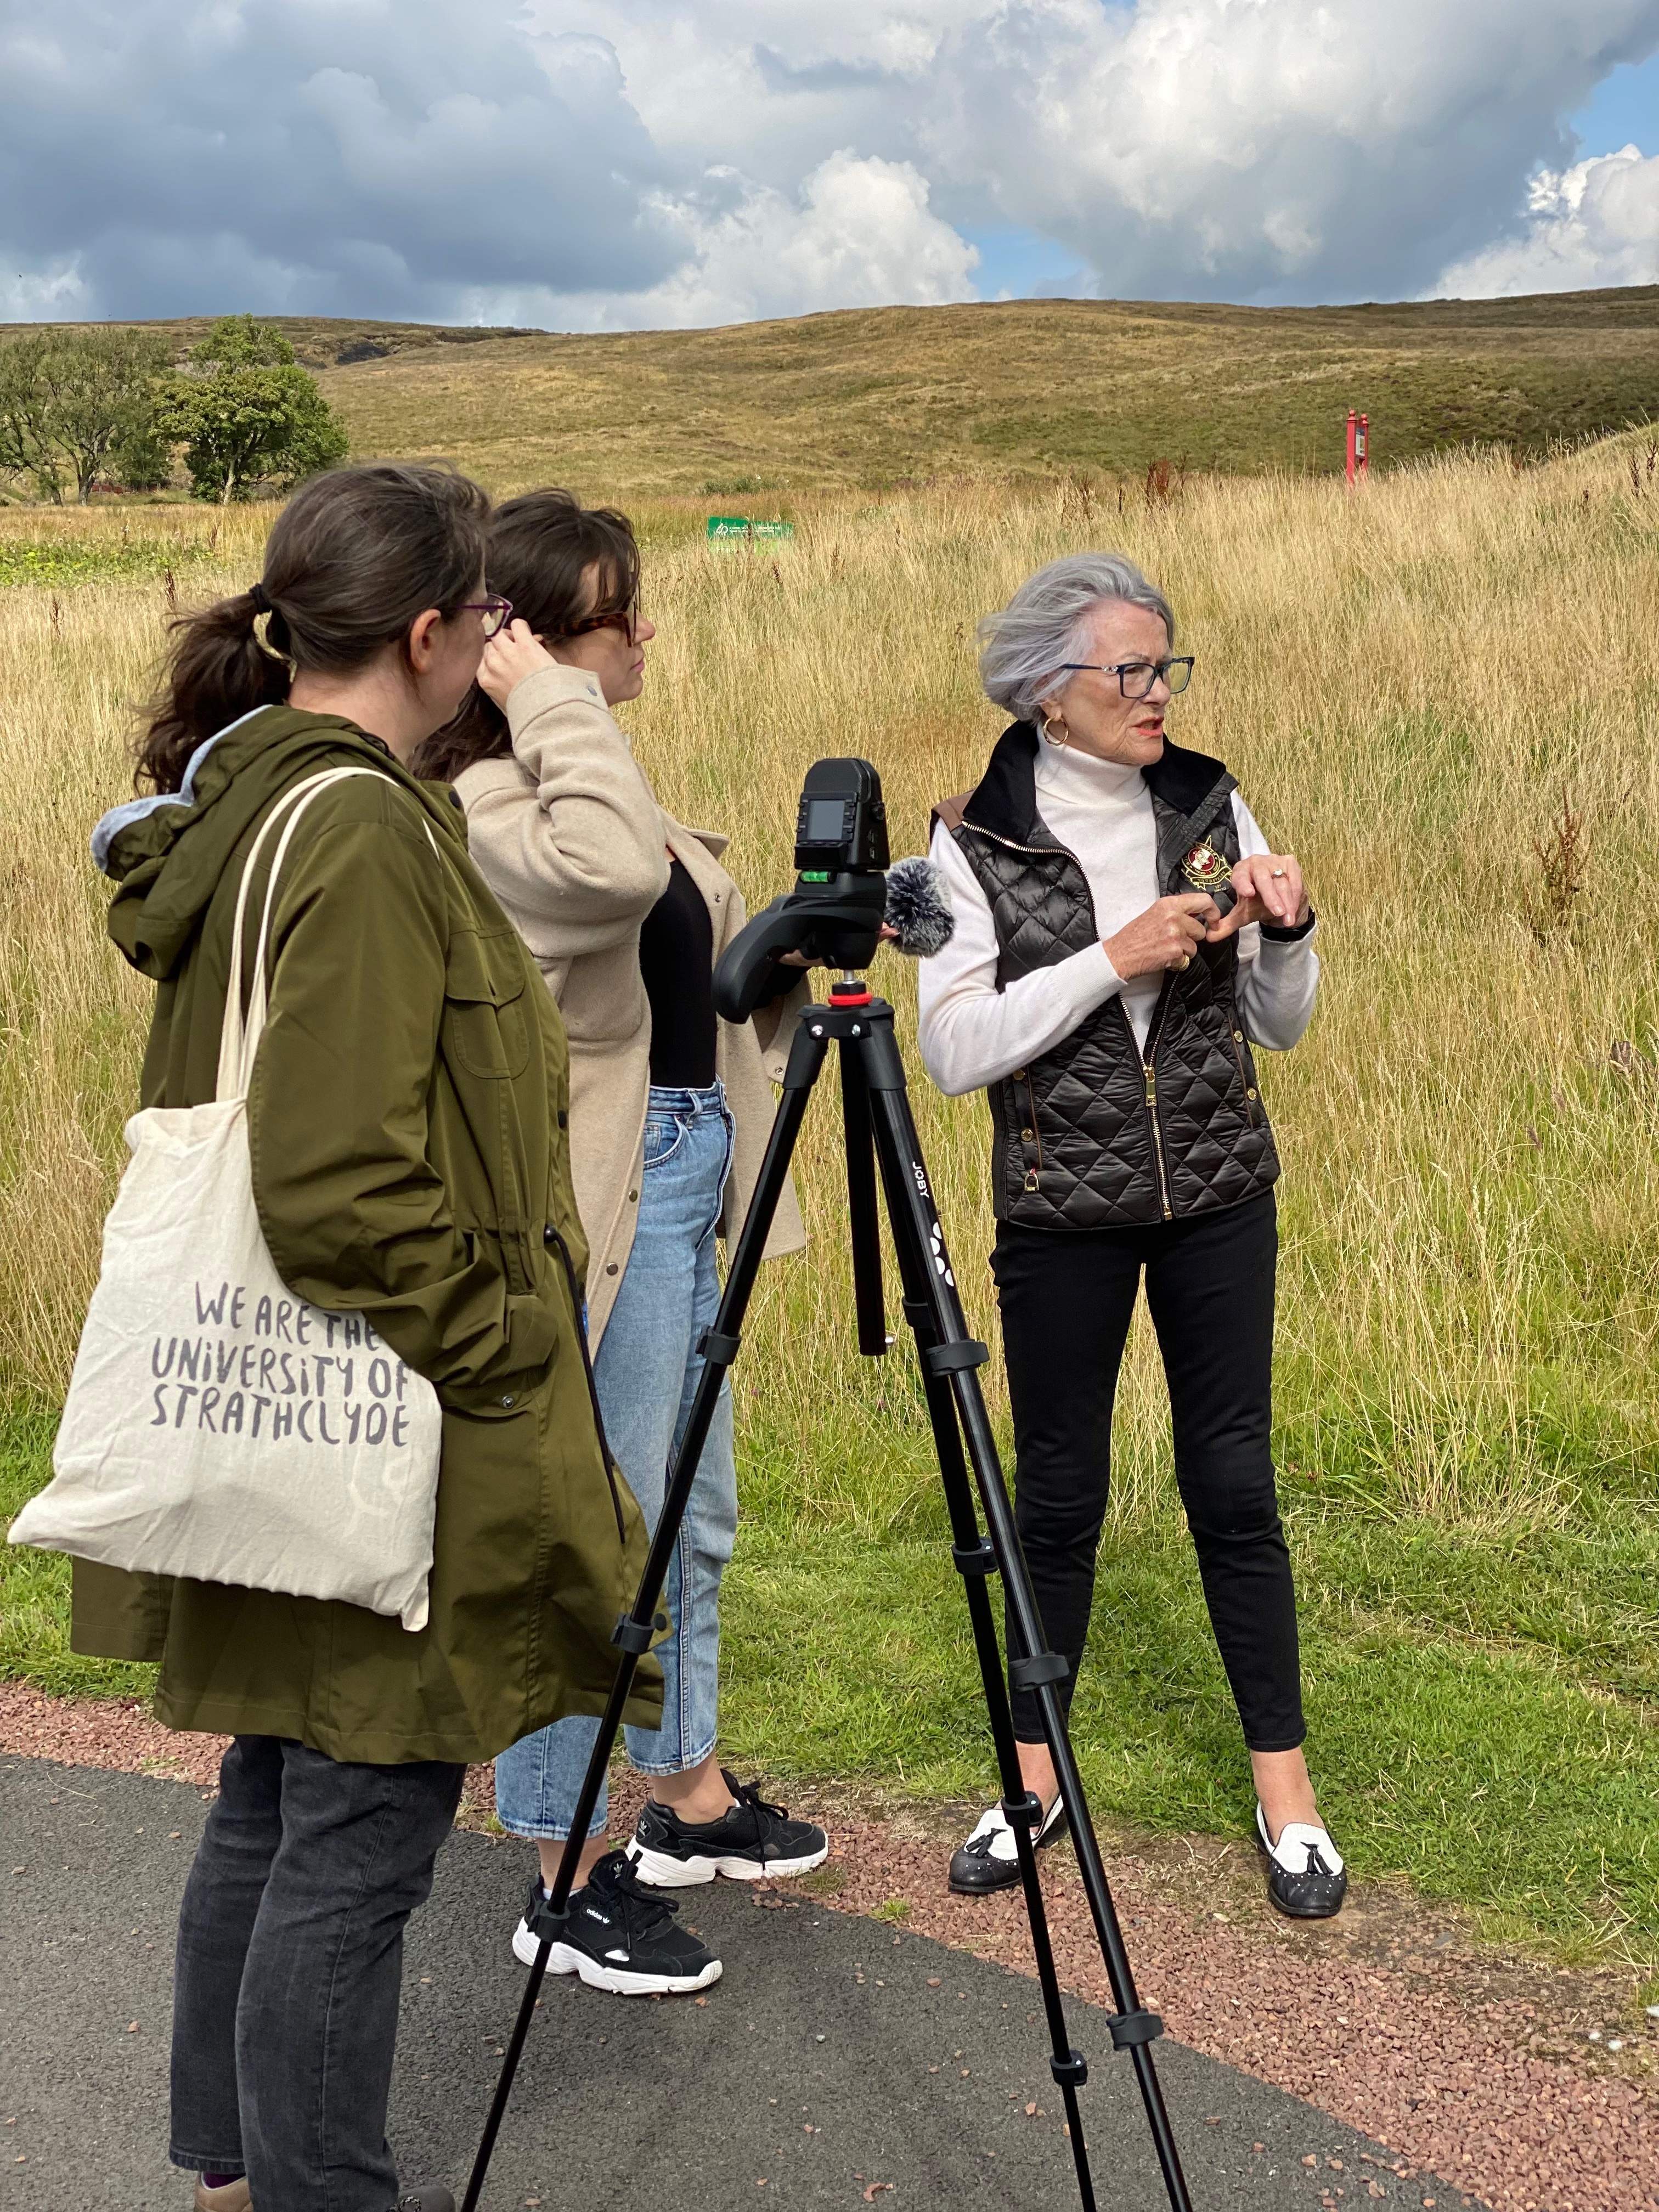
[1462,2063]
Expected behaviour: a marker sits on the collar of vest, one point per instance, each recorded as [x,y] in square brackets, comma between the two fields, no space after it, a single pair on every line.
[1190,785]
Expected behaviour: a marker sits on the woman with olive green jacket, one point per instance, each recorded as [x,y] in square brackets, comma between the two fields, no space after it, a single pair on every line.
[426,1187]
[407,1164]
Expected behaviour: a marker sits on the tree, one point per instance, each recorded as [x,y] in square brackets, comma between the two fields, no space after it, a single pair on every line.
[102,396]
[71,400]
[26,446]
[248,414]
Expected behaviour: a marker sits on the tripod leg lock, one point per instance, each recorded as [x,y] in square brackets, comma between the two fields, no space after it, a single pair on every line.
[544,1924]
[977,1559]
[1070,2072]
[1026,1812]
[945,1359]
[721,1349]
[629,1635]
[1130,2028]
[1041,1667]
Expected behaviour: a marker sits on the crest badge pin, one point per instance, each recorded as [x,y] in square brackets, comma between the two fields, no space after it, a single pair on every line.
[1204,868]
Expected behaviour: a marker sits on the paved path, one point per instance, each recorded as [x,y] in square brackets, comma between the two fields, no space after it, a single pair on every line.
[837,2053]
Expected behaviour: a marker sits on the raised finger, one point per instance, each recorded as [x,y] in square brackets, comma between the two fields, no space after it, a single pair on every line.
[1231,922]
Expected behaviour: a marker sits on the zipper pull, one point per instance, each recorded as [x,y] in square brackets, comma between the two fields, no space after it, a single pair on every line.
[1152,1087]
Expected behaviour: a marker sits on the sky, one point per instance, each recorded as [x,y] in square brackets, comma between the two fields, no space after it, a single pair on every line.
[627,164]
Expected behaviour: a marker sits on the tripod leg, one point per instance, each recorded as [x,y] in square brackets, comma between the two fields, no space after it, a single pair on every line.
[952,1358]
[976,1561]
[545,1915]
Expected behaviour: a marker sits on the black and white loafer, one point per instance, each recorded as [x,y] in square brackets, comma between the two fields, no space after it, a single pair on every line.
[989,1859]
[1306,1878]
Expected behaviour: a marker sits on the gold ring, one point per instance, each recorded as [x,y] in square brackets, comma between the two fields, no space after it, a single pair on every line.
[1186,959]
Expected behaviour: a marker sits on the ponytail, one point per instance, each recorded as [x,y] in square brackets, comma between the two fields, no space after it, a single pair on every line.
[351,561]
[217,669]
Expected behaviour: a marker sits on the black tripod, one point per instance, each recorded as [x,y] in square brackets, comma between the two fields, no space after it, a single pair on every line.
[880,1130]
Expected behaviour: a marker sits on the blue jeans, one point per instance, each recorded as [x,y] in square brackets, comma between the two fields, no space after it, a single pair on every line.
[646,1371]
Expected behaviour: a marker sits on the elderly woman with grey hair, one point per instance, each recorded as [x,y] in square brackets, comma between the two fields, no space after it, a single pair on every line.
[1124,936]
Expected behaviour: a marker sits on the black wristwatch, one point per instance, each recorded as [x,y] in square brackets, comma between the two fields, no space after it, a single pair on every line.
[1293,935]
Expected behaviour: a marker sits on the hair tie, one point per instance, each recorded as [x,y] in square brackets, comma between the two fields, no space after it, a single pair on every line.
[261,599]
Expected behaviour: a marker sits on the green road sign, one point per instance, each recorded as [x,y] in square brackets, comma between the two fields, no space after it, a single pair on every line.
[739,525]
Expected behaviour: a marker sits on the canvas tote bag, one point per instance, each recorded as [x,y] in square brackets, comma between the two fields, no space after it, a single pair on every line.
[217,1426]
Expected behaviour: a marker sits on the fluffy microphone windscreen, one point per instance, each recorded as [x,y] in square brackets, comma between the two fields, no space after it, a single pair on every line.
[919,908]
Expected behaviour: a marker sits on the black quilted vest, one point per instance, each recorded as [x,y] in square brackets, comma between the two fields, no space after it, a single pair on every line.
[1091,1135]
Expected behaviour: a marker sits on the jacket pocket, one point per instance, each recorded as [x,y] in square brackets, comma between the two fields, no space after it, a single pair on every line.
[485,1025]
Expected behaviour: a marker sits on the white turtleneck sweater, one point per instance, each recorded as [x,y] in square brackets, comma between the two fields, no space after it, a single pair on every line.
[972,1034]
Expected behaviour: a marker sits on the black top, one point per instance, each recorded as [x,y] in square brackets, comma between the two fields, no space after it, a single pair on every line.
[677,962]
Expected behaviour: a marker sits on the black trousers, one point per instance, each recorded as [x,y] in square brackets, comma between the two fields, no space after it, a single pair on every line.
[1066,1299]
[290,1969]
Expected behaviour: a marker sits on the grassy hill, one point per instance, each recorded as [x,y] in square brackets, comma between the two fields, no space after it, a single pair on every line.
[871,398]
[877,397]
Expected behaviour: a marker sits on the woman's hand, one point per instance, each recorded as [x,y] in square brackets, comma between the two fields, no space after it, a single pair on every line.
[1268,887]
[511,655]
[1165,936]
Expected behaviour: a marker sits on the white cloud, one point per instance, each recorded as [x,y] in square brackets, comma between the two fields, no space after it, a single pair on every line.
[53,293]
[859,235]
[618,162]
[1596,223]
[1268,150]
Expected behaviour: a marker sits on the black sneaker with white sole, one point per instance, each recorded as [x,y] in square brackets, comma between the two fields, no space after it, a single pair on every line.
[621,1937]
[752,1842]
[1306,1878]
[989,1861]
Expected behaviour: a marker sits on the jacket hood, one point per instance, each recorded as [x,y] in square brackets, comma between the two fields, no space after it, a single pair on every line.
[169,853]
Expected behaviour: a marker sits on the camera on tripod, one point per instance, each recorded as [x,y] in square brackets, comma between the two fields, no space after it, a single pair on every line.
[835,912]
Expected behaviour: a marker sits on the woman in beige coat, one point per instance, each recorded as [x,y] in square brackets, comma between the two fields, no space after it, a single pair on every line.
[627,912]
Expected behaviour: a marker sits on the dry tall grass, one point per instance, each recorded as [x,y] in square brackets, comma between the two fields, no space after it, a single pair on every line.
[1406,684]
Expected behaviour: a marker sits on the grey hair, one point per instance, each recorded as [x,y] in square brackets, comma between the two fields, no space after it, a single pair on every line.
[1023,650]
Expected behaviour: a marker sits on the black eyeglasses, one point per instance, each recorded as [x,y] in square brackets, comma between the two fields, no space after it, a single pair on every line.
[495,613]
[1136,678]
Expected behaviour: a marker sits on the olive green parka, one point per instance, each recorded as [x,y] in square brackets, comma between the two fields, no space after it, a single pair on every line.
[407,1129]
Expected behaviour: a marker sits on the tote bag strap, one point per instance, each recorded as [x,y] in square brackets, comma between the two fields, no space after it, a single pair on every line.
[239,1035]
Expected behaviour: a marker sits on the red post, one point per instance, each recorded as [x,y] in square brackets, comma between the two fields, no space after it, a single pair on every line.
[1354,439]
[1362,445]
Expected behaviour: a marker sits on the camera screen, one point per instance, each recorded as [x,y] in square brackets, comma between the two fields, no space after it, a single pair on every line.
[826,822]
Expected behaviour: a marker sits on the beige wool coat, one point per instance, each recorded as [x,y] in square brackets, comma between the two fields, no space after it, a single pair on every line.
[569,836]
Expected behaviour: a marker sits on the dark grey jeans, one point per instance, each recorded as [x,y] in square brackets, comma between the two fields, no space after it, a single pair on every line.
[290,1967]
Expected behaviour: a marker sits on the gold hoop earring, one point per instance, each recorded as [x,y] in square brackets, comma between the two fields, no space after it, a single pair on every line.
[1064,736]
